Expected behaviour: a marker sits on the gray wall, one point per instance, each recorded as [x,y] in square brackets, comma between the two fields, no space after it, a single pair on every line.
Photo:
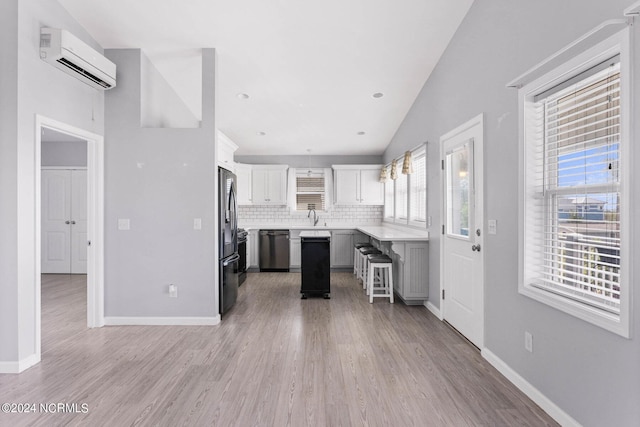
[313,161]
[64,153]
[160,105]
[30,86]
[160,179]
[8,178]
[591,374]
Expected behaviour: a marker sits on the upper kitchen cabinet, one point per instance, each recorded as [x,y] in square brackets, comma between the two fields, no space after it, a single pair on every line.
[244,184]
[269,184]
[224,151]
[358,185]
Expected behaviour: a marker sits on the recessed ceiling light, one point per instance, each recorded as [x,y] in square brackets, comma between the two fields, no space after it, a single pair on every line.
[262,133]
[361,132]
[378,95]
[242,96]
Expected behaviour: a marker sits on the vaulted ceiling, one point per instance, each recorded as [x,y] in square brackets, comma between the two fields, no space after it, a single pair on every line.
[334,77]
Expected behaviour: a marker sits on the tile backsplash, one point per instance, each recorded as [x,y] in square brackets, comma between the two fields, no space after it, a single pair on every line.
[338,215]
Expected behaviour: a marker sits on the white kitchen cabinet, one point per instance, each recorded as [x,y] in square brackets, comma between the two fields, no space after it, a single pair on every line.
[342,242]
[225,148]
[269,184]
[411,271]
[243,183]
[358,185]
[342,248]
[252,249]
[295,252]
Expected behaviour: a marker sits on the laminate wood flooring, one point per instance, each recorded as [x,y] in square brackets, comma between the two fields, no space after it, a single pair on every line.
[275,360]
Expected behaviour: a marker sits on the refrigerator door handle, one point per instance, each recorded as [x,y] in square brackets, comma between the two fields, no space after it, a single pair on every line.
[234,258]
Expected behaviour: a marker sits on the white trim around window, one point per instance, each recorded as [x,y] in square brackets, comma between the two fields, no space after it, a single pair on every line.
[569,279]
[415,191]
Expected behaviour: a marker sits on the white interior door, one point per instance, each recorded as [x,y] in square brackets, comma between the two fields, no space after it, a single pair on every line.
[56,216]
[64,221]
[462,257]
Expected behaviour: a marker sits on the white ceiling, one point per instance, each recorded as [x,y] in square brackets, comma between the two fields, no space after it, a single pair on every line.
[310,68]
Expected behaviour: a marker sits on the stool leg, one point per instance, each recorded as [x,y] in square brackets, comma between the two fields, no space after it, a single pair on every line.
[364,264]
[390,283]
[355,262]
[370,282]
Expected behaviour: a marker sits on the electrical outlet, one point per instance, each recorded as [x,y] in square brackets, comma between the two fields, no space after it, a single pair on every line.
[173,291]
[528,341]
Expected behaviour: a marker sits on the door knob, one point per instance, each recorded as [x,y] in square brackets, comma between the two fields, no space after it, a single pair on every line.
[67,222]
[475,248]
[73,222]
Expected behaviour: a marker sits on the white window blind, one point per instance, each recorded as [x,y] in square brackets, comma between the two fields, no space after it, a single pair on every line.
[310,191]
[418,190]
[389,198]
[401,196]
[573,189]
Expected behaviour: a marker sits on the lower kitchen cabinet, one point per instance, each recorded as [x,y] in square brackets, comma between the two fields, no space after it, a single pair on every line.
[342,242]
[295,249]
[411,271]
[252,249]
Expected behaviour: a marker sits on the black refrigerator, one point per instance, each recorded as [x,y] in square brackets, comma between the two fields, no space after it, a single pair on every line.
[228,264]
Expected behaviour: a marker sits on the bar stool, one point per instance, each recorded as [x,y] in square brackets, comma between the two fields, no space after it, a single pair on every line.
[356,256]
[381,274]
[362,272]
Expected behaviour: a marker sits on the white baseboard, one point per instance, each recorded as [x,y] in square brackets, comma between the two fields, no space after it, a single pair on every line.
[533,393]
[161,321]
[19,366]
[433,309]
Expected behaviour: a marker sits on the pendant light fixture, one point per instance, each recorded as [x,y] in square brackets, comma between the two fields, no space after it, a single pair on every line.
[383,174]
[407,164]
[394,173]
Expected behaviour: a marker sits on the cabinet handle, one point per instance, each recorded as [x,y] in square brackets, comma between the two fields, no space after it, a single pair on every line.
[73,222]
[67,222]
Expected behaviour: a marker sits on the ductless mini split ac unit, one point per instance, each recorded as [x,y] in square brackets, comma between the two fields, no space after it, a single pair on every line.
[65,51]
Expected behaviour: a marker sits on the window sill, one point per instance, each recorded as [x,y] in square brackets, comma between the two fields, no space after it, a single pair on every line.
[608,321]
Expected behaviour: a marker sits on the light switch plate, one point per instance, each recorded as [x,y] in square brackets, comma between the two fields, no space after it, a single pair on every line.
[197,223]
[124,224]
[492,226]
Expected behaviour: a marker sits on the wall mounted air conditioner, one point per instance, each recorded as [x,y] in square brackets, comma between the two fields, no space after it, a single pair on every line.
[65,51]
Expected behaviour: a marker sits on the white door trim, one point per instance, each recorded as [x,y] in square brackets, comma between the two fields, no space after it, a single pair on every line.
[95,226]
[479,207]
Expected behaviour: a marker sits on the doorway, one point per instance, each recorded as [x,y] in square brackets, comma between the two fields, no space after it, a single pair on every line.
[93,241]
[462,259]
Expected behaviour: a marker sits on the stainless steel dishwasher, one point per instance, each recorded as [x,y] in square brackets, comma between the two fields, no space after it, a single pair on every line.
[274,250]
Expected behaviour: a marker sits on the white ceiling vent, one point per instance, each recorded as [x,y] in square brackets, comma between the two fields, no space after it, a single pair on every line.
[65,51]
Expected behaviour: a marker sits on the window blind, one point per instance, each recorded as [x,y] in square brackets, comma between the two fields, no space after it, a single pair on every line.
[310,193]
[401,196]
[419,188]
[573,215]
[389,198]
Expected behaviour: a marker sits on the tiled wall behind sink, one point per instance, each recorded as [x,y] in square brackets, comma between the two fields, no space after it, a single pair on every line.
[338,215]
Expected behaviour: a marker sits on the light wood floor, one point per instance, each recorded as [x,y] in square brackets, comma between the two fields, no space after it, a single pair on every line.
[275,360]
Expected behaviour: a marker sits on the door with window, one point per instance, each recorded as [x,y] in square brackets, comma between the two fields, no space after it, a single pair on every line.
[64,221]
[462,280]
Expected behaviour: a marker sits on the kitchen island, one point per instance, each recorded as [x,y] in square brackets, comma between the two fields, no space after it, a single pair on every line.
[407,247]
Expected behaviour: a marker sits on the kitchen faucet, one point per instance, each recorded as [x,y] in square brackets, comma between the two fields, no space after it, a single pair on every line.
[316,218]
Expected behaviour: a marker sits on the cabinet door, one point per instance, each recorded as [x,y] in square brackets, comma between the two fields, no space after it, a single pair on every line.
[243,184]
[295,253]
[259,186]
[342,249]
[347,187]
[252,259]
[277,187]
[371,190]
